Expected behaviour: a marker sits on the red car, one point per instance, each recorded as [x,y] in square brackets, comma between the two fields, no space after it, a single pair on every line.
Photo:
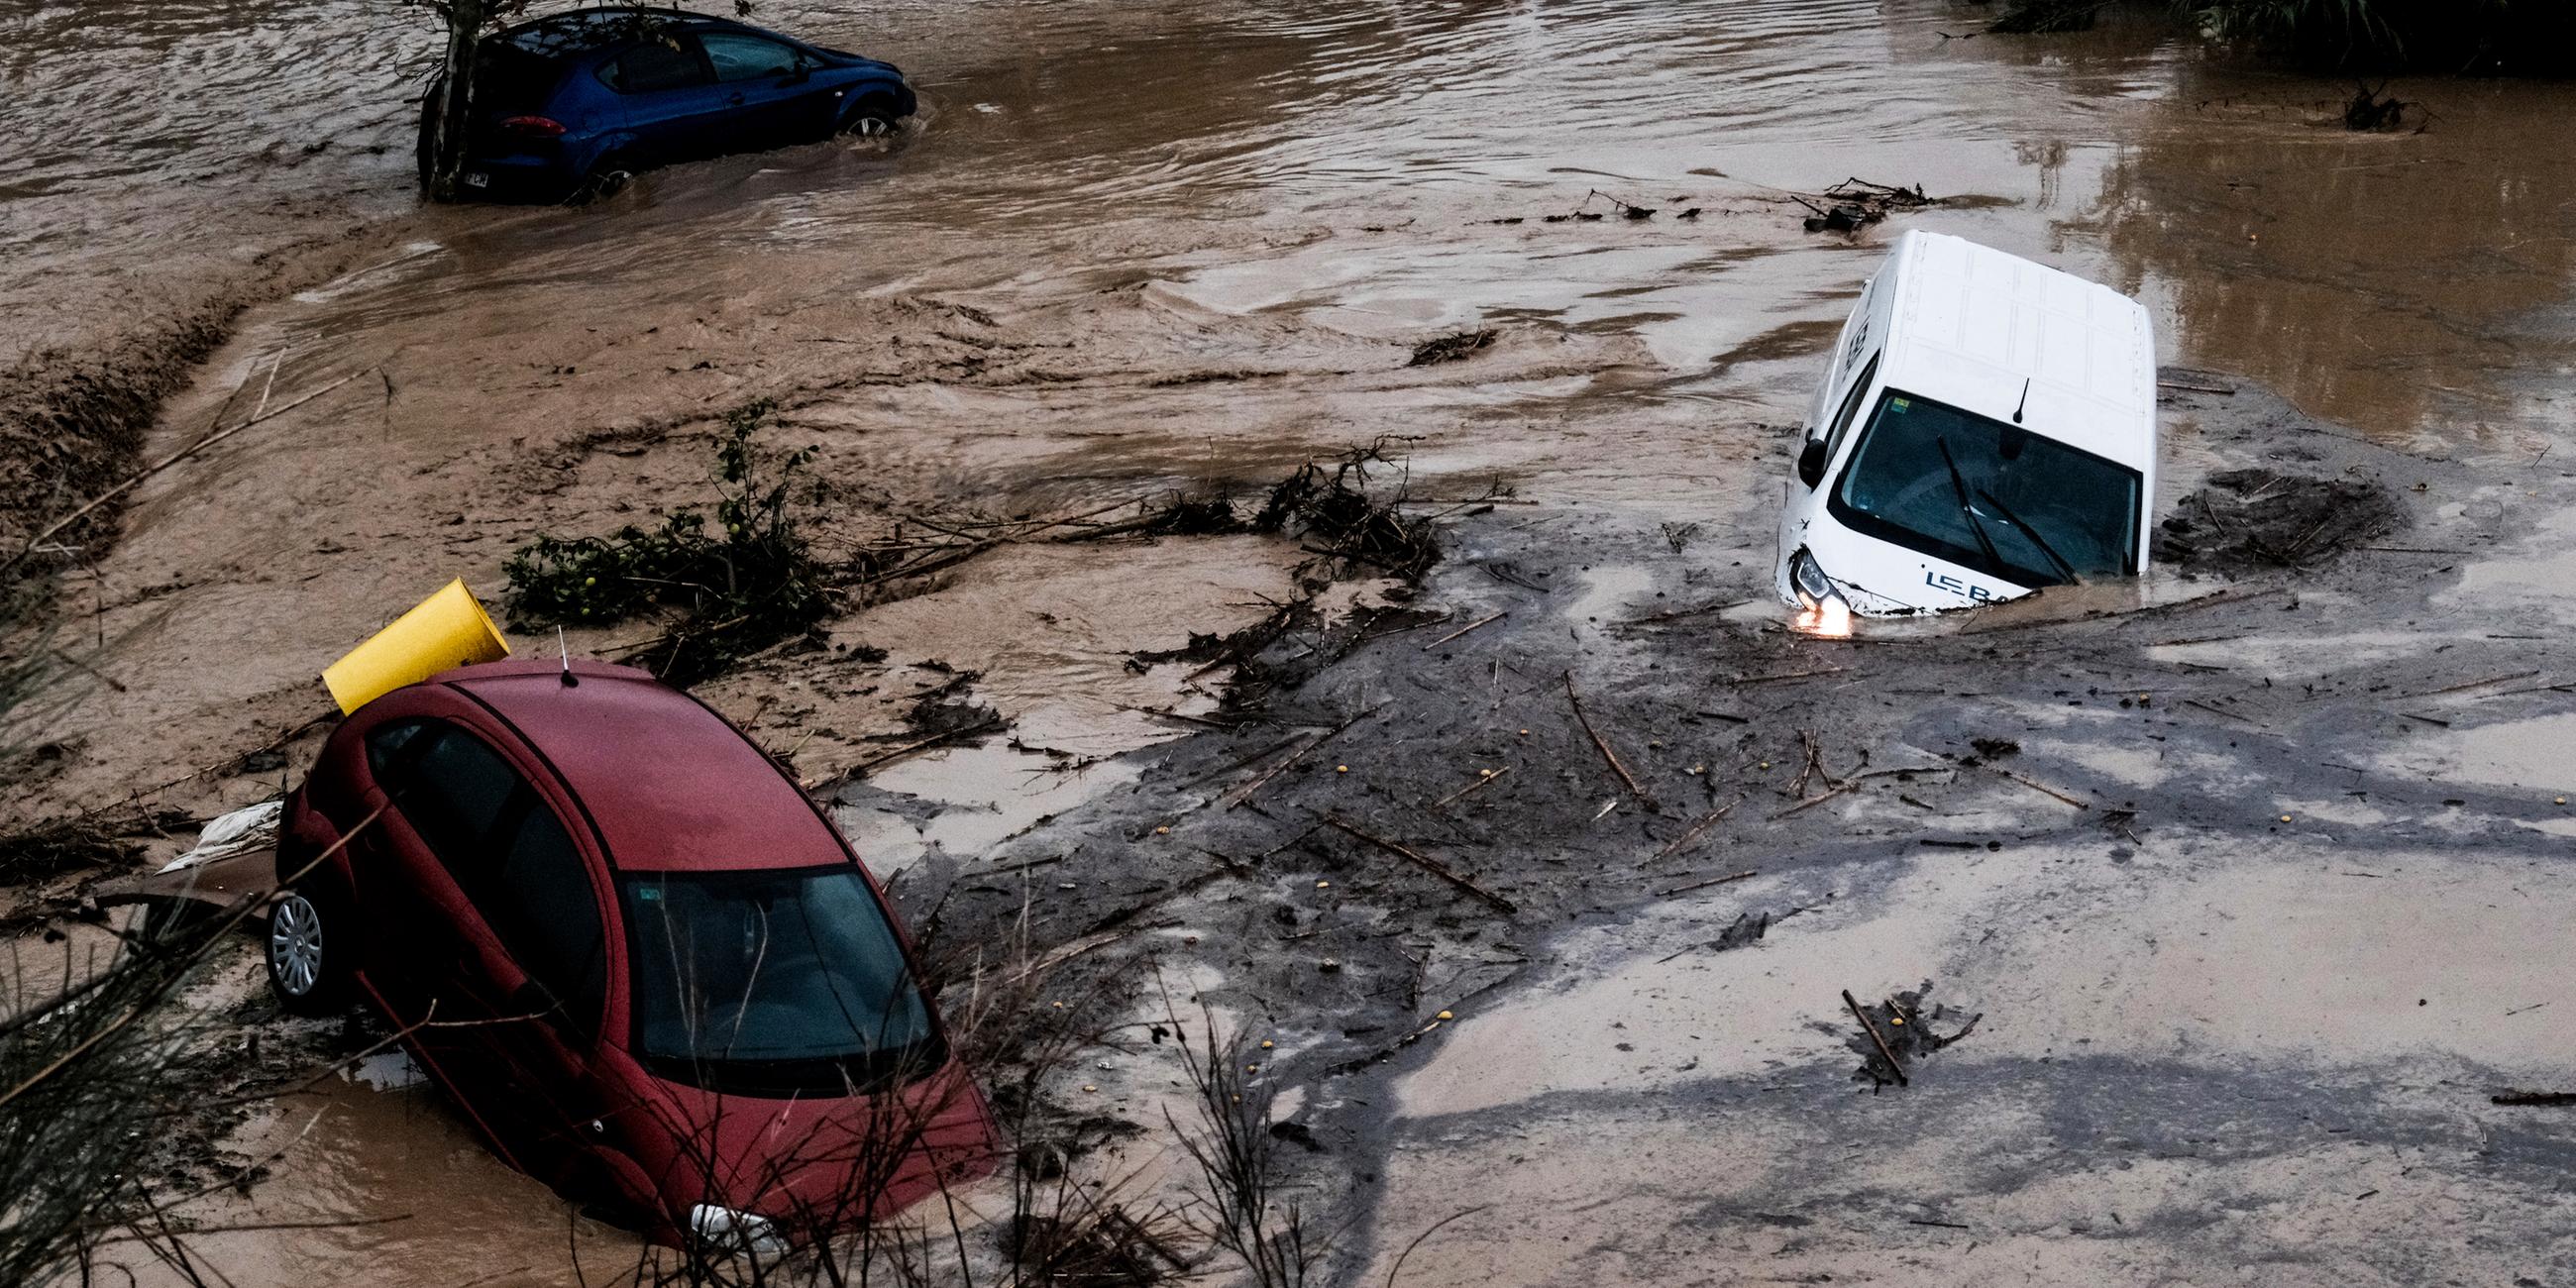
[682,993]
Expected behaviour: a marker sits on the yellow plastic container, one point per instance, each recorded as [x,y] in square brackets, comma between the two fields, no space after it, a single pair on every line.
[446,630]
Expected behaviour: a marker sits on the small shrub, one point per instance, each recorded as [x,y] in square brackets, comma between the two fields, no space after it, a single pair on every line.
[740,584]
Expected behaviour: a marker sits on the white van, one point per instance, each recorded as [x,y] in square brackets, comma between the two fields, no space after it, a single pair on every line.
[1987,426]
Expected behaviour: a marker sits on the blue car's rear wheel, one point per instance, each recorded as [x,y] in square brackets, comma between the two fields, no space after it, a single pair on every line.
[607,179]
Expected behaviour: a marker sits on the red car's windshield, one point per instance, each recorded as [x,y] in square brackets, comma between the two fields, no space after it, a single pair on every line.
[773,982]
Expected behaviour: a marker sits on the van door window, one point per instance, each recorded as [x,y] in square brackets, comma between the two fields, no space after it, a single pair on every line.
[1851,408]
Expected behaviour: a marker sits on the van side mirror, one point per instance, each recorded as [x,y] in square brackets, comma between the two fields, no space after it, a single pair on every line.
[1811,462]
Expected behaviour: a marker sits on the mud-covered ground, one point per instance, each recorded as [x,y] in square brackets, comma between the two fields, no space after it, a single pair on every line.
[2244,886]
[2236,895]
[2229,889]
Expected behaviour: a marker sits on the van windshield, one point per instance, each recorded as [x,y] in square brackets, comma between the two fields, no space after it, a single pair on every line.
[1990,496]
[773,983]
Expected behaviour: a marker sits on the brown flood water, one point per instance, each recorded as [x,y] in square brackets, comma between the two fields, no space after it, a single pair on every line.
[1199,237]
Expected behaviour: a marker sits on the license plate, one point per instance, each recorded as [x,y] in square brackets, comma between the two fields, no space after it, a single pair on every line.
[478,179]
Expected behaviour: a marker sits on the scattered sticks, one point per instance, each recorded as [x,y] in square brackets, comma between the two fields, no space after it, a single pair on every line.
[1427,864]
[1710,820]
[2042,788]
[2543,1098]
[1576,700]
[1771,679]
[201,444]
[1300,754]
[1471,626]
[2474,684]
[1728,879]
[1814,801]
[1481,779]
[1875,1040]
[863,768]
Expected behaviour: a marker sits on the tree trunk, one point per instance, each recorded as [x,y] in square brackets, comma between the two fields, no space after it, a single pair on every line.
[448,112]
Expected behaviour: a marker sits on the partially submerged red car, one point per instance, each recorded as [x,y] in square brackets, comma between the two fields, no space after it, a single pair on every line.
[681,991]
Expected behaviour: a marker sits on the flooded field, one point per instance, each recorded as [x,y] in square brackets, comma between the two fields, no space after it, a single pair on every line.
[1132,251]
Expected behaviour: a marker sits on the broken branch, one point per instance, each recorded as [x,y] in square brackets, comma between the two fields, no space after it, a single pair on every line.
[1576,700]
[1875,1039]
[1427,864]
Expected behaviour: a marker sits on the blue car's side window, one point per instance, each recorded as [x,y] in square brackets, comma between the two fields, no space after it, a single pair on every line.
[654,66]
[738,57]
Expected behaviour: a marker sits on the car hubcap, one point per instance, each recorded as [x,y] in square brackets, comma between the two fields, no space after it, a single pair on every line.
[873,127]
[295,944]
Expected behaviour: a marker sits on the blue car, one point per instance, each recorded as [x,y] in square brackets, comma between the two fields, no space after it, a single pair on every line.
[572,104]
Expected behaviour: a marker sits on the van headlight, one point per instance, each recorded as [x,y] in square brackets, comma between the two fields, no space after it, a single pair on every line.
[1814,588]
[724,1229]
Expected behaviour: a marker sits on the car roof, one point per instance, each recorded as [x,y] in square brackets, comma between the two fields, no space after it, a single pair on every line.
[1980,329]
[671,786]
[578,31]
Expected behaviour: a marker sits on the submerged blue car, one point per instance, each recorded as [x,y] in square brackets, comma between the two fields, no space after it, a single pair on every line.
[572,104]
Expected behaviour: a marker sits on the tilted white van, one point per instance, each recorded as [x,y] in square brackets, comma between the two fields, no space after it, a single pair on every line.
[1987,427]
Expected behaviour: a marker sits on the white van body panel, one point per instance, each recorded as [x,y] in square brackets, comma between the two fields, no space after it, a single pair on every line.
[1953,322]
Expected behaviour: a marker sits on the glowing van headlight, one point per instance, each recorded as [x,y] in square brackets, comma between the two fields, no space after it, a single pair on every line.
[1822,610]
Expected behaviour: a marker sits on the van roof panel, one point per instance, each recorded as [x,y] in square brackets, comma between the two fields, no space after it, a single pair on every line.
[1972,324]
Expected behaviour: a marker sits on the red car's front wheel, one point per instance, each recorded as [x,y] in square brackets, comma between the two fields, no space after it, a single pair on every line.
[305,951]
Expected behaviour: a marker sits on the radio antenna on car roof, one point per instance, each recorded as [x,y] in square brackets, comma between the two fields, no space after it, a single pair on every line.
[2017,410]
[569,679]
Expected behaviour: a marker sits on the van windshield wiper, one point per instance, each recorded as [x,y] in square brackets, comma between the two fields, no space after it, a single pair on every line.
[1959,485]
[2064,568]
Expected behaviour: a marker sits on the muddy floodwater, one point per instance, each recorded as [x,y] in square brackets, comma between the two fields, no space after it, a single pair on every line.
[2246,982]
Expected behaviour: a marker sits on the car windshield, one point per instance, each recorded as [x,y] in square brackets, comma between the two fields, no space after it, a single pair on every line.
[1989,496]
[776,982]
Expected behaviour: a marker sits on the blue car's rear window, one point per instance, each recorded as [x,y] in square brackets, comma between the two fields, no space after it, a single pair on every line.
[510,80]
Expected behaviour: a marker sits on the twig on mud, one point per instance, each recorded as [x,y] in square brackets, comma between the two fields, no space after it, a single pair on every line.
[1448,1016]
[1814,768]
[1300,754]
[1181,716]
[1576,701]
[1875,1039]
[2194,389]
[164,463]
[1793,675]
[1434,1228]
[1680,613]
[2159,610]
[1482,778]
[1271,750]
[1706,822]
[2195,702]
[862,769]
[2533,1098]
[1428,864]
[1729,879]
[2473,684]
[2041,788]
[1813,801]
[1476,626]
